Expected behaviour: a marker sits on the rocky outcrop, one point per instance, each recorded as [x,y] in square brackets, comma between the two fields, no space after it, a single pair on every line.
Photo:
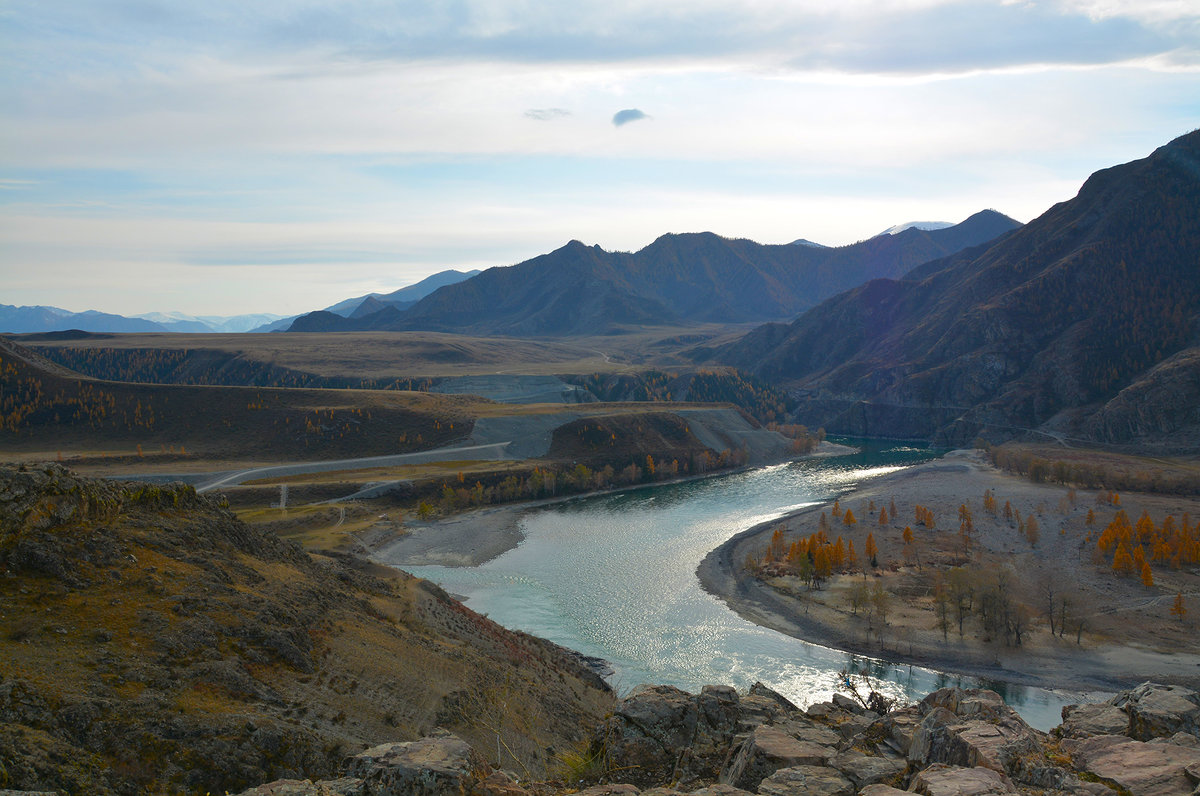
[662,741]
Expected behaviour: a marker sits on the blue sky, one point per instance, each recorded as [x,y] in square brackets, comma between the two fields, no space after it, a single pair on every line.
[221,157]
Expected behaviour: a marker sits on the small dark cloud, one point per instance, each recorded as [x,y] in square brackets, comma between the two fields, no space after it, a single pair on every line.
[628,115]
[547,114]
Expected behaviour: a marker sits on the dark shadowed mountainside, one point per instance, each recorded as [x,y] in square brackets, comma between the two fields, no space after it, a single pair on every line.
[692,278]
[1082,323]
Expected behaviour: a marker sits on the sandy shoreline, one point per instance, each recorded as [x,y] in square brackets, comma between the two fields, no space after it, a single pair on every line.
[1098,664]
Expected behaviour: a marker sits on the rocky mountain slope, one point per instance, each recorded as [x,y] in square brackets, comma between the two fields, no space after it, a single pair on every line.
[698,277]
[954,742]
[1084,322]
[151,642]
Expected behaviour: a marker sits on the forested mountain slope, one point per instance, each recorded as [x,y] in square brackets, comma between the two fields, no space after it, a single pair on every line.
[1082,322]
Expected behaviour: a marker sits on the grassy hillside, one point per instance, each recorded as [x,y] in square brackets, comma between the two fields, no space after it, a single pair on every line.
[150,641]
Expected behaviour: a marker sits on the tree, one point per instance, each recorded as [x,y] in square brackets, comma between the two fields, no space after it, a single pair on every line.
[966,526]
[849,519]
[1147,575]
[851,557]
[871,550]
[908,543]
[859,596]
[883,518]
[1179,609]
[881,602]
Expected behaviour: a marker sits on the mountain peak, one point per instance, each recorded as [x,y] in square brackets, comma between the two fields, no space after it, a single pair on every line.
[921,225]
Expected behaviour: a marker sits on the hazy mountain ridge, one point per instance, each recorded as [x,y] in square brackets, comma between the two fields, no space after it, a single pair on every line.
[40,319]
[694,277]
[1043,329]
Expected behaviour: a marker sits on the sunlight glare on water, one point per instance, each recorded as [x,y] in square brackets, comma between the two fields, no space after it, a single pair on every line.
[614,577]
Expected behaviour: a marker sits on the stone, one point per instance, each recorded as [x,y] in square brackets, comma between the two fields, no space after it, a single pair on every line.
[721,790]
[985,733]
[943,780]
[1147,769]
[615,789]
[1083,721]
[806,781]
[756,709]
[1158,710]
[896,728]
[802,728]
[767,750]
[437,765]
[346,786]
[760,690]
[846,703]
[499,784]
[967,703]
[881,790]
[864,770]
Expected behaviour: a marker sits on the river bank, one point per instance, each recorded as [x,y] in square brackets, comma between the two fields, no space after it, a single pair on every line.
[1128,635]
[471,538]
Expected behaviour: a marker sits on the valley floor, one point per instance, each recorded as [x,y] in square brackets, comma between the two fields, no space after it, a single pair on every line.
[1128,636]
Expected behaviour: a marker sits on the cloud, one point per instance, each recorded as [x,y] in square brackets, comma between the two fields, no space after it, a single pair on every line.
[626,116]
[547,114]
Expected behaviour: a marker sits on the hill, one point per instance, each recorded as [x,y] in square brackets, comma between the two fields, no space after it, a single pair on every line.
[151,642]
[1083,323]
[45,407]
[692,278]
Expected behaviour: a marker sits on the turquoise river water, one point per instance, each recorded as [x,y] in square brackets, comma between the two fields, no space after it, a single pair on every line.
[614,577]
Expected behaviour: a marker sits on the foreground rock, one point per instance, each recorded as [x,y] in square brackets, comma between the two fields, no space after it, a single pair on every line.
[662,741]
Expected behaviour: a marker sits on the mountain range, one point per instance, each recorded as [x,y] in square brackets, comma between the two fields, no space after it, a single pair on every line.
[1084,323]
[688,278]
[38,319]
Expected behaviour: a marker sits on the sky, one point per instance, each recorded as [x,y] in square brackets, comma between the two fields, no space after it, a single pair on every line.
[222,157]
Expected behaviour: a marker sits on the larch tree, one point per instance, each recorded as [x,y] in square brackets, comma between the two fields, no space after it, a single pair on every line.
[1178,608]
[872,552]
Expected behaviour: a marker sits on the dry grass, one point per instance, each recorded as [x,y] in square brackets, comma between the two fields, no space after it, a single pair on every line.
[392,355]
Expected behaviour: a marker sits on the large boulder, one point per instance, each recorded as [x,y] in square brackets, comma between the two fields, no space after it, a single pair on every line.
[943,780]
[806,781]
[1158,711]
[863,769]
[662,734]
[438,765]
[1146,769]
[767,750]
[1084,721]
[969,728]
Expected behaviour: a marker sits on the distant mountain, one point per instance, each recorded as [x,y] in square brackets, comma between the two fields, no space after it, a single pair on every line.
[181,322]
[805,242]
[35,320]
[928,226]
[369,304]
[406,296]
[21,320]
[692,278]
[1085,322]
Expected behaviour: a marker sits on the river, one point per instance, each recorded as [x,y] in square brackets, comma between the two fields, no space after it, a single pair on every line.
[614,577]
